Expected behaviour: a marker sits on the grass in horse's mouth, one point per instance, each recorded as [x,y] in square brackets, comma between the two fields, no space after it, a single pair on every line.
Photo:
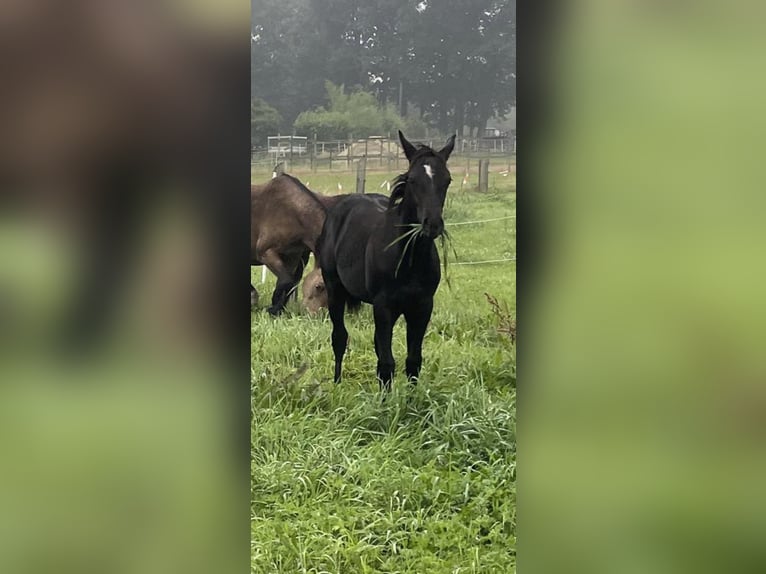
[416,229]
[445,239]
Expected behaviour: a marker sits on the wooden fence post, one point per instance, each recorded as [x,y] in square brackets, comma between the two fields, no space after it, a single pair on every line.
[481,174]
[484,175]
[313,152]
[361,169]
[380,143]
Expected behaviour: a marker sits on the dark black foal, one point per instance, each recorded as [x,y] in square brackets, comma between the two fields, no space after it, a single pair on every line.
[385,255]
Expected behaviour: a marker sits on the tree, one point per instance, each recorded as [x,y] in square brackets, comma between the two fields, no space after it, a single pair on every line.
[288,57]
[465,56]
[356,113]
[264,121]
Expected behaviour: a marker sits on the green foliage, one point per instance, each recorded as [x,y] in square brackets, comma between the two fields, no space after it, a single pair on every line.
[264,121]
[423,482]
[325,124]
[356,114]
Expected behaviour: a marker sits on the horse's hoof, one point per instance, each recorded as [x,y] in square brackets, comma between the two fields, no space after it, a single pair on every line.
[274,311]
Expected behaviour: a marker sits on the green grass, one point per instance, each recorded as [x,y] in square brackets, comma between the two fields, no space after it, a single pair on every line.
[421,483]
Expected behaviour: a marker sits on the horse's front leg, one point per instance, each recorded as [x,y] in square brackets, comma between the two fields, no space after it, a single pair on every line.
[384,328]
[108,232]
[417,317]
[285,279]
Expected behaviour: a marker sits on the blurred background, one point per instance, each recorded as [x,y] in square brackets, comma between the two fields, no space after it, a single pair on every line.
[641,372]
[124,409]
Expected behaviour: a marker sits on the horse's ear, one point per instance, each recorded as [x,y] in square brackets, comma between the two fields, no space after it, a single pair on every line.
[447,149]
[409,149]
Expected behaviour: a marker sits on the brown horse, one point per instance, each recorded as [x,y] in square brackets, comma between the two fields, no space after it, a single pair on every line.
[314,292]
[286,220]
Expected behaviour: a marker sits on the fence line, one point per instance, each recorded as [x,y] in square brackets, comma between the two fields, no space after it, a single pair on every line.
[482,220]
[483,262]
[478,221]
[377,152]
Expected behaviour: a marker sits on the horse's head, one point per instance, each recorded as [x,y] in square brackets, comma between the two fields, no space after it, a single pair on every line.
[425,184]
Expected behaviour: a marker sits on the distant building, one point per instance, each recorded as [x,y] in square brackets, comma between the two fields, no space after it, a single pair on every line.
[505,124]
[491,132]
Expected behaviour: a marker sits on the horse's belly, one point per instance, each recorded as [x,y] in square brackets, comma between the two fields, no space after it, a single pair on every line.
[353,282]
[350,263]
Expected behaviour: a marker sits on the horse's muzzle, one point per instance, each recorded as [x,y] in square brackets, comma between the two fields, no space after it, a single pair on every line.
[433,229]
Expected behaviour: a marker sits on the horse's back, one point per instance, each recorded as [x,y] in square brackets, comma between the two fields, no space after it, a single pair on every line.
[352,218]
[284,214]
[282,193]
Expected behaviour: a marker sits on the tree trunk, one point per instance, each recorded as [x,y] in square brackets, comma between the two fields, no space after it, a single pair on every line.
[459,119]
[483,118]
[402,100]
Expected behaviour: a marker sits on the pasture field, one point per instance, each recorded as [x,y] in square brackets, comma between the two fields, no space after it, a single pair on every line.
[423,482]
[324,181]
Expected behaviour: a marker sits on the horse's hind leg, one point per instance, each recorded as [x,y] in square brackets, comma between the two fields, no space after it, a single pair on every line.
[384,328]
[336,303]
[417,318]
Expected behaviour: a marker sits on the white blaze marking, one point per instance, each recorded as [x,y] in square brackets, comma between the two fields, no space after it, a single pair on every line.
[429,172]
